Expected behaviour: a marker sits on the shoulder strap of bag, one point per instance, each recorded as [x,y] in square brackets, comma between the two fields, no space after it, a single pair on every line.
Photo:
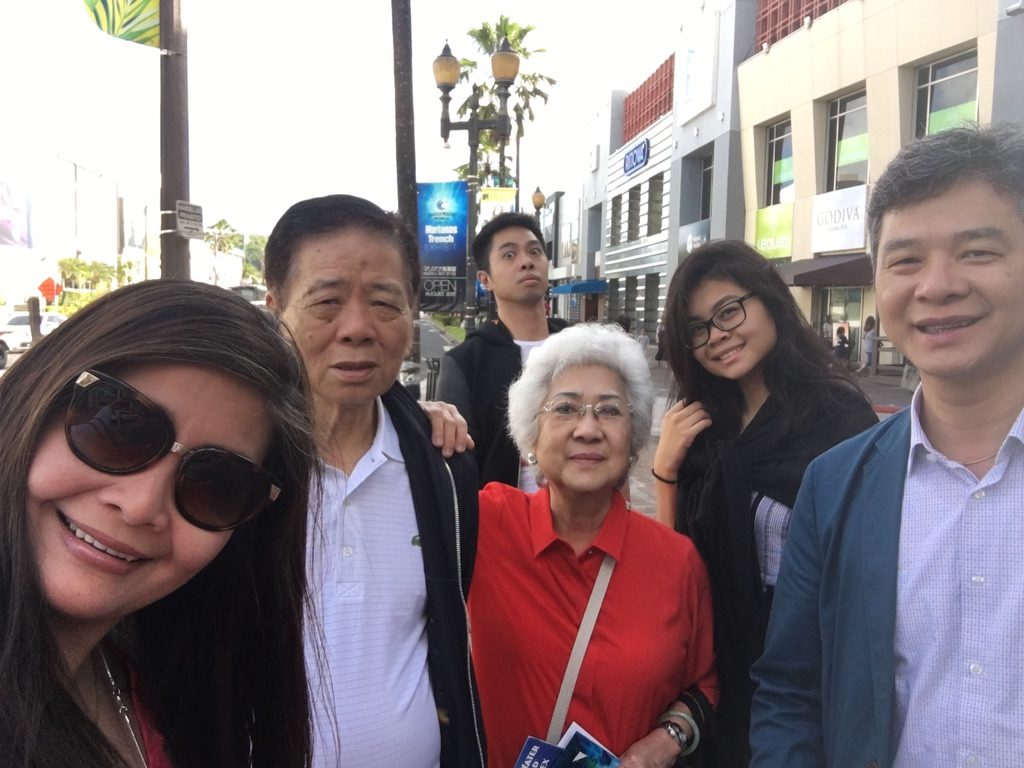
[579,648]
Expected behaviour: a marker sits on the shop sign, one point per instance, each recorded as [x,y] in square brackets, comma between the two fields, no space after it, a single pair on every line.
[637,157]
[695,234]
[838,223]
[773,231]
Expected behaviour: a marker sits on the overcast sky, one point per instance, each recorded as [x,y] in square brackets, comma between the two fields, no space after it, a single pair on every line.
[291,100]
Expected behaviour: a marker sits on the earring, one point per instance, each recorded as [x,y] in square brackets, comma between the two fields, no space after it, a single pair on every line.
[531,458]
[633,458]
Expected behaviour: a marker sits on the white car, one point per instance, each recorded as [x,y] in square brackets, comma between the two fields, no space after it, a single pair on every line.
[16,336]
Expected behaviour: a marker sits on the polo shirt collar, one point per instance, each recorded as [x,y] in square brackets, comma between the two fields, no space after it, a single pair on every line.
[610,538]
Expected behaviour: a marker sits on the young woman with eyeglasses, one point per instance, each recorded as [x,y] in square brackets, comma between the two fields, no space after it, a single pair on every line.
[758,397]
[155,463]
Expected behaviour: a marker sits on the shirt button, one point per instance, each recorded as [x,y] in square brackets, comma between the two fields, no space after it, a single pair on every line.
[977,579]
[347,551]
[931,457]
[973,760]
[976,668]
[979,494]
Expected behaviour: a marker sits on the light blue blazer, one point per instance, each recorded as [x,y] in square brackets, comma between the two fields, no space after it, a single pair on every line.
[825,693]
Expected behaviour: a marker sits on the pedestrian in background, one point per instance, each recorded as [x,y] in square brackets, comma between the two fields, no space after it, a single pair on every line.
[870,343]
[759,397]
[841,349]
[154,471]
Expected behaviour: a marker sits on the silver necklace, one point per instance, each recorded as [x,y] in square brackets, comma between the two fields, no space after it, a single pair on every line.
[122,708]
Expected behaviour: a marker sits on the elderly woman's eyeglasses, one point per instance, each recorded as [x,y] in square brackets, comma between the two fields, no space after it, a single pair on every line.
[728,316]
[608,411]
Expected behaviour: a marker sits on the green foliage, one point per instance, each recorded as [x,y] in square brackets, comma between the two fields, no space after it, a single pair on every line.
[528,88]
[70,301]
[252,265]
[450,323]
[137,21]
[98,272]
[76,273]
[72,272]
[222,237]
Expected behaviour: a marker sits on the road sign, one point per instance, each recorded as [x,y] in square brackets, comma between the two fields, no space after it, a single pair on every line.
[189,219]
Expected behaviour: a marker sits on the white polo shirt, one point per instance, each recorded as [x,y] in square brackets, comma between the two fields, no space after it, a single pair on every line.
[366,638]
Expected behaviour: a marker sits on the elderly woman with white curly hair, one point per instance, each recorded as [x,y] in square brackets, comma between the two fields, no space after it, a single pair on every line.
[548,563]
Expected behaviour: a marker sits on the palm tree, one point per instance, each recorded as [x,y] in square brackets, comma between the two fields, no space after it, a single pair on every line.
[528,89]
[72,271]
[222,238]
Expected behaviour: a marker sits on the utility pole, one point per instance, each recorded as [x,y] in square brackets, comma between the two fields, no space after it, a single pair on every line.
[174,175]
[405,134]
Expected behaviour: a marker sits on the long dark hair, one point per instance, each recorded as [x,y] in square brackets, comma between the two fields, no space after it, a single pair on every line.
[221,658]
[798,370]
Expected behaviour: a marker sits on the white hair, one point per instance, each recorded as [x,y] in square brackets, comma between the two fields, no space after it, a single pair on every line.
[583,344]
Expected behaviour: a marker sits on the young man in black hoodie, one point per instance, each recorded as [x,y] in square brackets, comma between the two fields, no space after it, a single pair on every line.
[475,375]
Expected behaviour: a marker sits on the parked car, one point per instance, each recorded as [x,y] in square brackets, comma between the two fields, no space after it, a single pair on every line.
[16,335]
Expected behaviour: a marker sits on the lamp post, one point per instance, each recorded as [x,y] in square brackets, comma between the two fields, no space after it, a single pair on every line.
[538,199]
[504,68]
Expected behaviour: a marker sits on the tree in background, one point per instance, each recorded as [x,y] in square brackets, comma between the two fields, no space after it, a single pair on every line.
[252,264]
[527,90]
[72,272]
[222,239]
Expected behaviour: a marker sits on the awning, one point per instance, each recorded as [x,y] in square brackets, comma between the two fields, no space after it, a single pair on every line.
[849,269]
[582,286]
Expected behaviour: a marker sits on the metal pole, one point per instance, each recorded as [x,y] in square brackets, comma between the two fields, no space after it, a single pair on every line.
[174,249]
[405,134]
[469,318]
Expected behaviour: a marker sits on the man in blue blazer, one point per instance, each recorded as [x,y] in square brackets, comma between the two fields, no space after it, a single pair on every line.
[895,636]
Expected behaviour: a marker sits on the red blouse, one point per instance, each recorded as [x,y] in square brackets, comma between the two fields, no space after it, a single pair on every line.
[653,637]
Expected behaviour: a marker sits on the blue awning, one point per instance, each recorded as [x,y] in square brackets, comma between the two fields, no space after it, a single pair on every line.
[582,286]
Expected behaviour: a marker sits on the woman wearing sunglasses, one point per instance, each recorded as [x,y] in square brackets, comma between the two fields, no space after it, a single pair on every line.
[758,398]
[154,470]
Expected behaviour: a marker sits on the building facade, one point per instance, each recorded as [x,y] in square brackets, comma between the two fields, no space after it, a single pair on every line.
[833,91]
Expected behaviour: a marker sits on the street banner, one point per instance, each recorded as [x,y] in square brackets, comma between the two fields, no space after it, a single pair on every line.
[443,221]
[137,21]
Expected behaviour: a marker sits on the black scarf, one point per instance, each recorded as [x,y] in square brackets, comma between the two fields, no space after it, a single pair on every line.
[716,484]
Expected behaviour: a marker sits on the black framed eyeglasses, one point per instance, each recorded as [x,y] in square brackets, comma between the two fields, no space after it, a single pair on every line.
[114,428]
[727,317]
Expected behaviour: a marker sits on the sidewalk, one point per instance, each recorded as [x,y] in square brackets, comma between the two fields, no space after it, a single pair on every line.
[883,389]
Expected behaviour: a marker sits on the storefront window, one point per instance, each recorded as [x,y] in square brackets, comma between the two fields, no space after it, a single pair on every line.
[633,215]
[847,142]
[615,226]
[655,198]
[707,172]
[780,164]
[841,307]
[947,93]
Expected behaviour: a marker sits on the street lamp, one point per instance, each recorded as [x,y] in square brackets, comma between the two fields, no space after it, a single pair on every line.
[538,202]
[504,68]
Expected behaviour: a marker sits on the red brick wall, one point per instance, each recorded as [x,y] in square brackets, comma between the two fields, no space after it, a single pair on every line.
[648,102]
